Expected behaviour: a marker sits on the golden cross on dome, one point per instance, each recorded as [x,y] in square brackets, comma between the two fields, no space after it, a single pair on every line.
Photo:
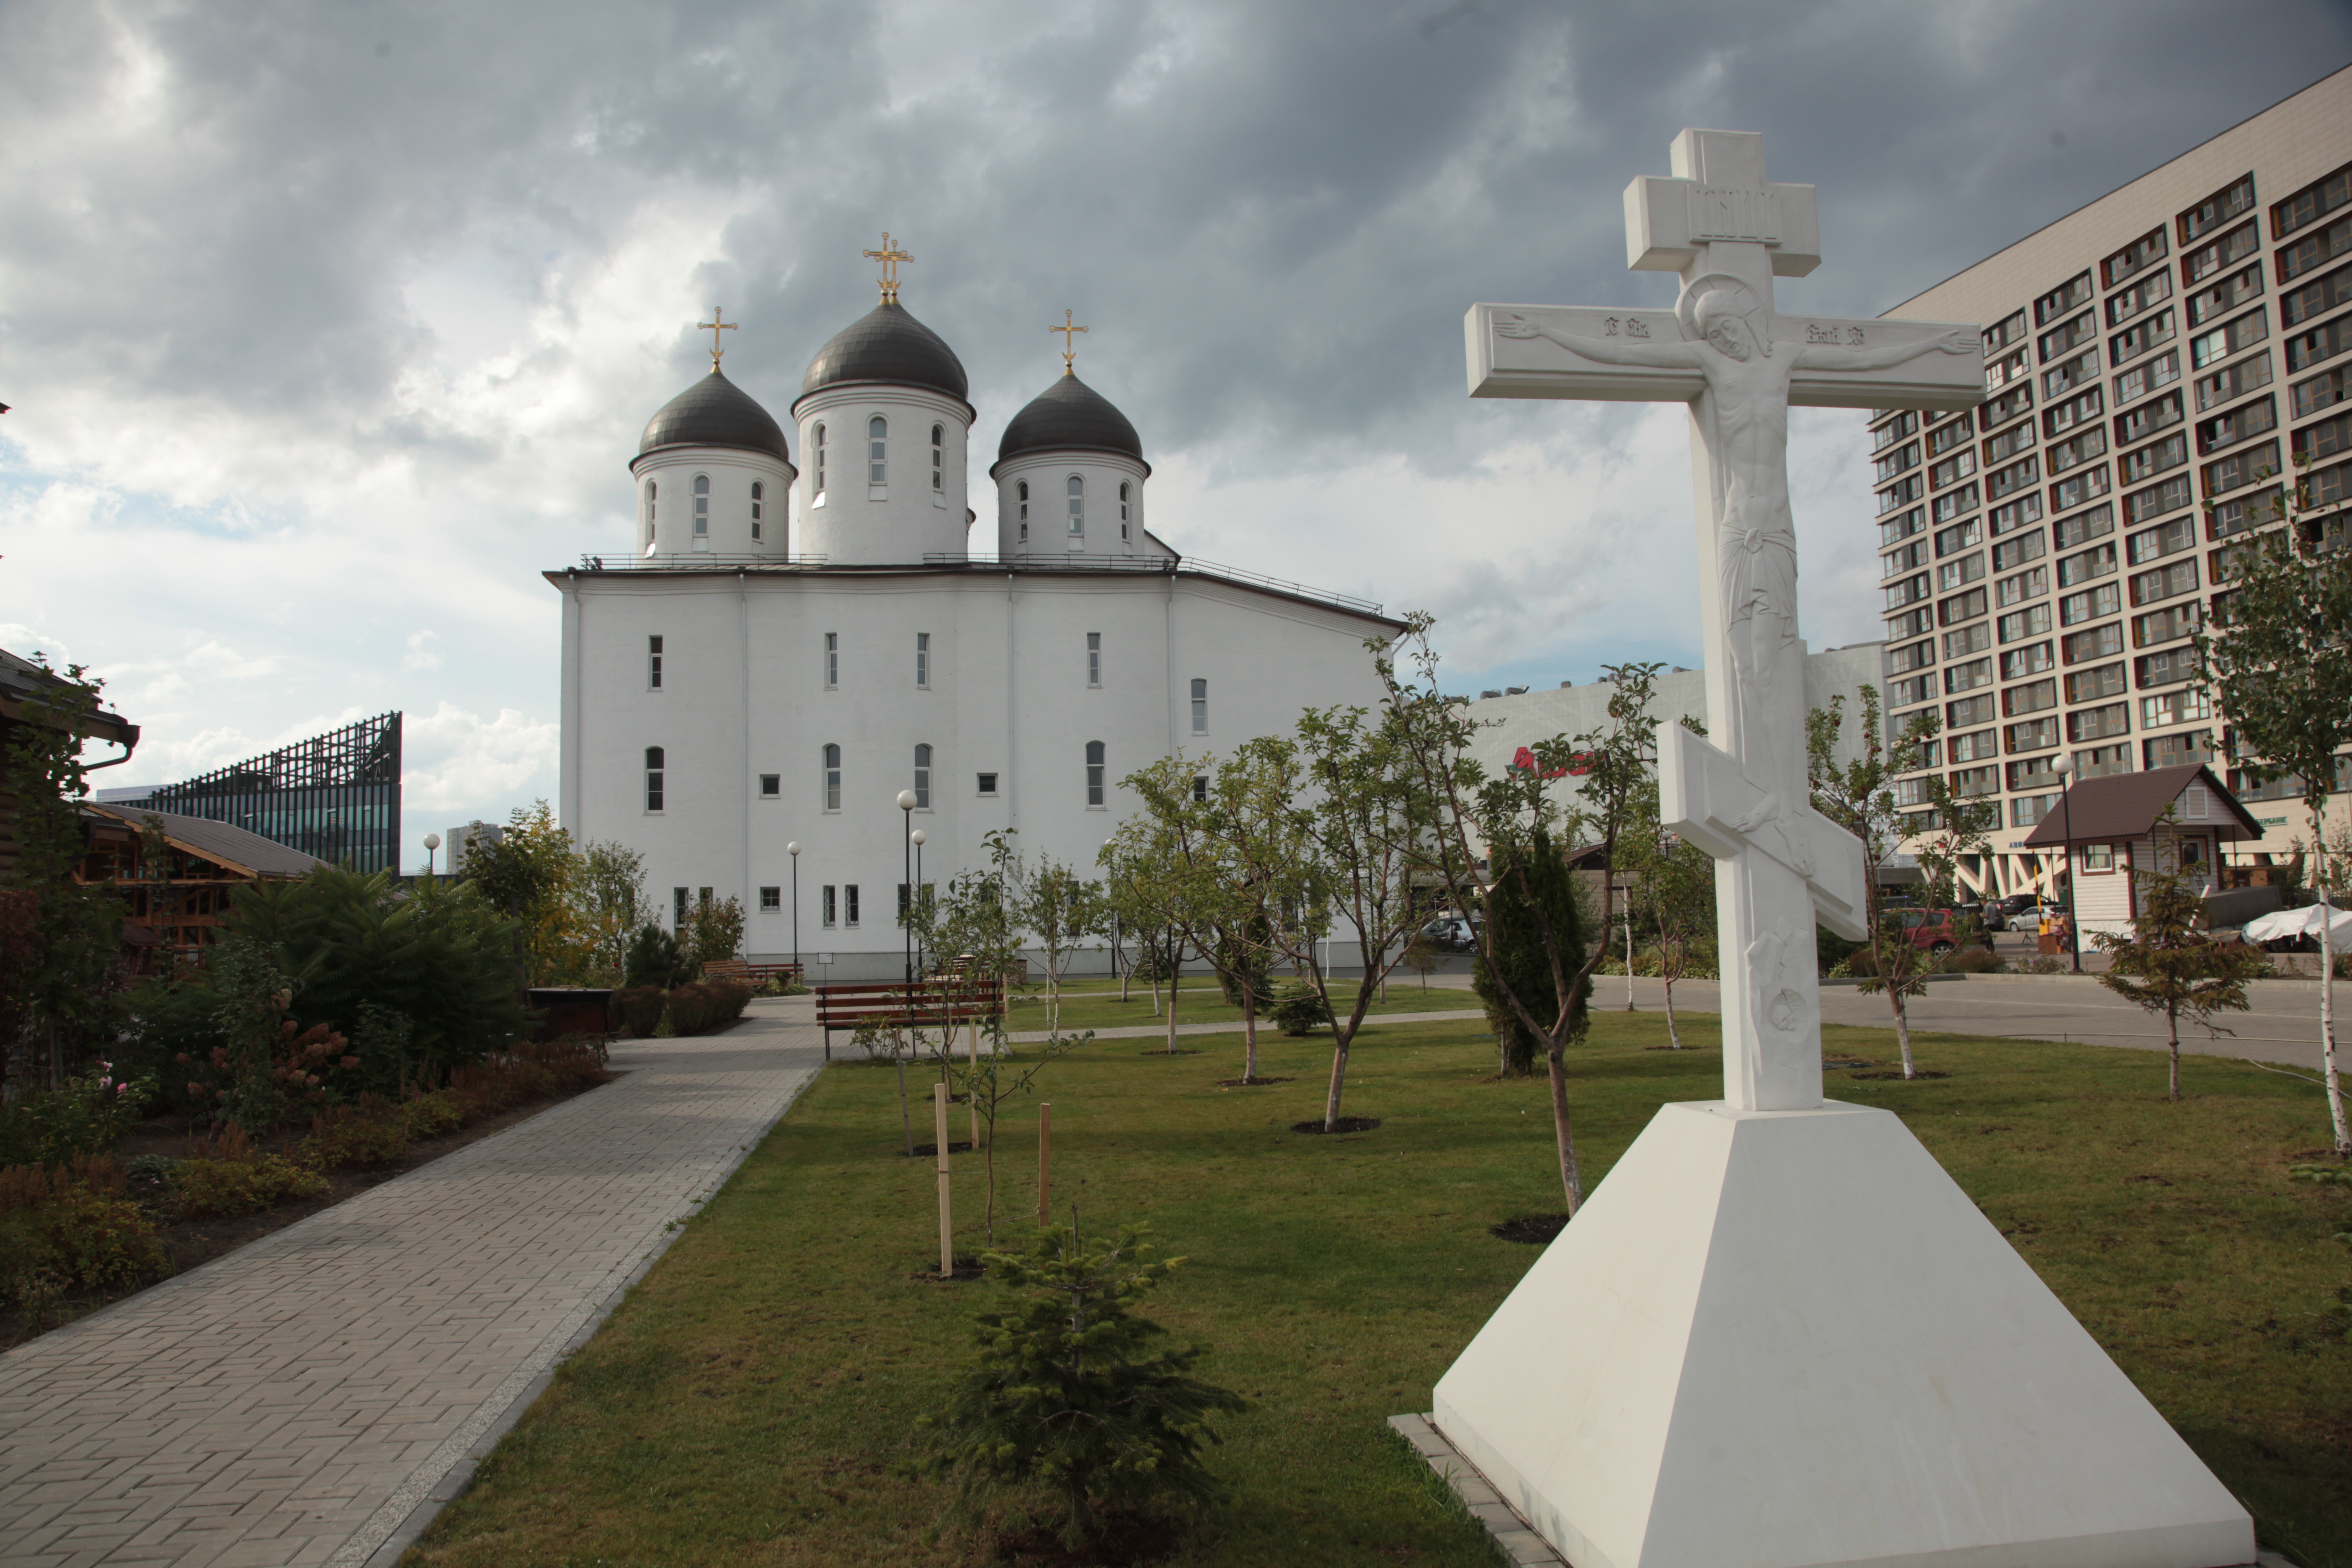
[1070,341]
[714,327]
[889,256]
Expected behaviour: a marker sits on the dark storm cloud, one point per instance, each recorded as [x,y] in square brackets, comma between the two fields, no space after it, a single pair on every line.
[1272,214]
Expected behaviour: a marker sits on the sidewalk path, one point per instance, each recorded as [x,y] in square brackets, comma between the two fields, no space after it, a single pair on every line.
[295,1401]
[1264,1026]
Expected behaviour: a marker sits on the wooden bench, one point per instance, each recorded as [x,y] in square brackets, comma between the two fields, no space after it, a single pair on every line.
[757,974]
[895,1005]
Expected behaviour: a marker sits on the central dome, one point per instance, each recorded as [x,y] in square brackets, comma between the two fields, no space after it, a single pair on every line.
[888,347]
[714,412]
[1069,416]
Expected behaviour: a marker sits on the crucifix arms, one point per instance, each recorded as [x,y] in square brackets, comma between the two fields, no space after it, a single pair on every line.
[1958,341]
[1662,356]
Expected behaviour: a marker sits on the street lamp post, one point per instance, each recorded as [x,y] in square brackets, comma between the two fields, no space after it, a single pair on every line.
[906,811]
[914,889]
[2063,767]
[432,842]
[793,849]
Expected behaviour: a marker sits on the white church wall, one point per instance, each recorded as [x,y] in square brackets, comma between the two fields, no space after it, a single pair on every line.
[743,695]
[854,522]
[1047,475]
[665,527]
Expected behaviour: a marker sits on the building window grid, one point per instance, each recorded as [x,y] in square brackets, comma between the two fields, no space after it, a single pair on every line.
[654,662]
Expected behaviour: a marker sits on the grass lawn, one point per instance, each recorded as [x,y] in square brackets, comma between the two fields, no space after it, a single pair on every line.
[746,1402]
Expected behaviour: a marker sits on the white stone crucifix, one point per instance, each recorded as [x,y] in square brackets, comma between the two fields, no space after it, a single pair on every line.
[1722,349]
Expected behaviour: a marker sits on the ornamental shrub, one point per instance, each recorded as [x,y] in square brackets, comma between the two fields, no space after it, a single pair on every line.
[654,959]
[1300,1010]
[1518,911]
[1063,1393]
[434,954]
[433,1115]
[691,1009]
[87,1116]
[72,1227]
[639,1008]
[228,1176]
[369,1134]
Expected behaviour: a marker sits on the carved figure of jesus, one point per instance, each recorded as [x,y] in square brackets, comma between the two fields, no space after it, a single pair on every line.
[1744,424]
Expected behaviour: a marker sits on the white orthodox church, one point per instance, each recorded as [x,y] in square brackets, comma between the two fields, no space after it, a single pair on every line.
[785,649]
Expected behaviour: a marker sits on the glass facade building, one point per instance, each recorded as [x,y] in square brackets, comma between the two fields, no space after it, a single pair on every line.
[335,795]
[2160,366]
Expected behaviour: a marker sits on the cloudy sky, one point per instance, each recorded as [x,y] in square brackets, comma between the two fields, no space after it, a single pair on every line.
[329,326]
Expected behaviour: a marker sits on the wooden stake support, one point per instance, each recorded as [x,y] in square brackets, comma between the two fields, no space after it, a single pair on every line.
[946,1221]
[1044,1163]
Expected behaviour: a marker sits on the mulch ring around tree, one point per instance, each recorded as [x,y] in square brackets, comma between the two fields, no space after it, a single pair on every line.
[931,1151]
[1534,1229]
[1125,1539]
[1344,1125]
[967,1266]
[1164,1051]
[1895,1073]
[1249,1082]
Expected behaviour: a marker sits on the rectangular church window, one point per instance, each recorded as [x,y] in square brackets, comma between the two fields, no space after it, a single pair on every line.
[771,900]
[849,903]
[987,782]
[830,904]
[653,663]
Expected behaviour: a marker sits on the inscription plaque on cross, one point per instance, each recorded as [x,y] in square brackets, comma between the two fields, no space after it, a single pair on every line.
[1722,349]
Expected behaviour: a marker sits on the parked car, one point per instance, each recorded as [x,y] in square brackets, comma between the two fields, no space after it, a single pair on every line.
[1935,932]
[2018,912]
[1451,933]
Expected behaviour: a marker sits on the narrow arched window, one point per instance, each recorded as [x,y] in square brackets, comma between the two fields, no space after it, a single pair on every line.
[922,778]
[832,778]
[1200,707]
[1020,495]
[1095,762]
[938,458]
[759,505]
[702,504]
[819,444]
[1123,502]
[654,770]
[1078,489]
[878,437]
[653,510]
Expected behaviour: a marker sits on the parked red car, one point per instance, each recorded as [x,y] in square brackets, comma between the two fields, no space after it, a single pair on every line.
[1937,931]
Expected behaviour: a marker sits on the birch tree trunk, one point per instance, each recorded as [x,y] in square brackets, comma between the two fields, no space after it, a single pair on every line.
[2327,992]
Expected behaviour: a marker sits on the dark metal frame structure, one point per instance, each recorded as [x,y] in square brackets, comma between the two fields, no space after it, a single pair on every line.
[335,795]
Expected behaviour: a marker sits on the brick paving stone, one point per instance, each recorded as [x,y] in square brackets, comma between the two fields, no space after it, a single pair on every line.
[291,1403]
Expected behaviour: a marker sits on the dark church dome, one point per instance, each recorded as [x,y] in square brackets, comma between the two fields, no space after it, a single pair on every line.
[888,347]
[715,412]
[1069,416]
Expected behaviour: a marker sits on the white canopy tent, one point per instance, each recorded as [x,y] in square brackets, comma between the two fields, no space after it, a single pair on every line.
[2305,921]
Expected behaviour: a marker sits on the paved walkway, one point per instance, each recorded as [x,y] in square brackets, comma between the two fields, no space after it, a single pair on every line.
[296,1400]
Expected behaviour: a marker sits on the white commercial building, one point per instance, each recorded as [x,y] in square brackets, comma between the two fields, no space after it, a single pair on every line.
[1511,724]
[783,648]
[2161,364]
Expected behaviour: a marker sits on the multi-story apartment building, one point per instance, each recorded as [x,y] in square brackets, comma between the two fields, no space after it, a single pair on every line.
[2161,367]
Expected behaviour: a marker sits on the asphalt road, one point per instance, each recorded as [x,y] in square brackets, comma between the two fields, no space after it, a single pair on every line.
[2282,1028]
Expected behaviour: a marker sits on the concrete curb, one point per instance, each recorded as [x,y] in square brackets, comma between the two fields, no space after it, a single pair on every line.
[457,1474]
[1520,1544]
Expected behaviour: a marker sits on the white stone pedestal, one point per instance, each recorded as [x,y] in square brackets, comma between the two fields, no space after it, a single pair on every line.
[1787,1340]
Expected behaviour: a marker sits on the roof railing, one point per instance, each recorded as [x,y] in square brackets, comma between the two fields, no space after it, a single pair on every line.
[694,561]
